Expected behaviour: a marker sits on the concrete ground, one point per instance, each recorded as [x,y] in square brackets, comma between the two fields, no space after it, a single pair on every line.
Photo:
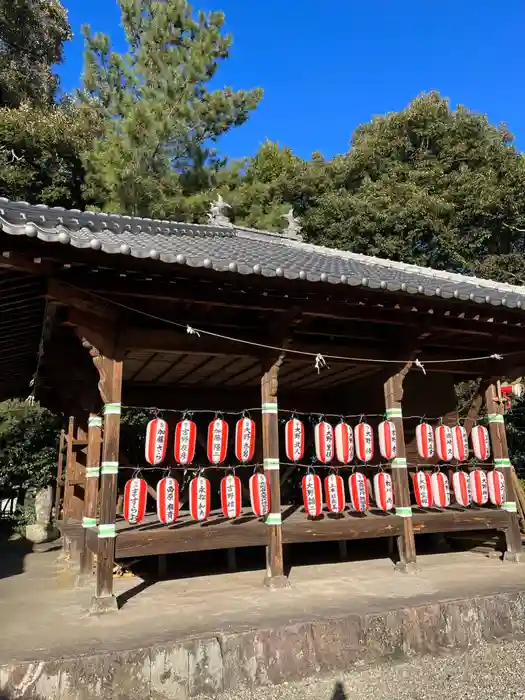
[44,617]
[489,672]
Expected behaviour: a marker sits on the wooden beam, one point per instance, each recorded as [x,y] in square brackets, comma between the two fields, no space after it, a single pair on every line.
[23,263]
[498,436]
[89,520]
[83,301]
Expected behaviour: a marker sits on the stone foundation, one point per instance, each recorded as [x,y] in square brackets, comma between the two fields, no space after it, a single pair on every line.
[205,666]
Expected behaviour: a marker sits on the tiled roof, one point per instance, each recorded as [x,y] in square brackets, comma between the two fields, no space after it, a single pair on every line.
[243,251]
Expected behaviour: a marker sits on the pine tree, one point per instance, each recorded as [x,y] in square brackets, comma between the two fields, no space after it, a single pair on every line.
[160,114]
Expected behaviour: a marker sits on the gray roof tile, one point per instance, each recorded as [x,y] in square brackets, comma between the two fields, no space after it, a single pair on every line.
[243,251]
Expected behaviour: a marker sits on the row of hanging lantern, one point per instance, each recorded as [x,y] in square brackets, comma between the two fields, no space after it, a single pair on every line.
[334,492]
[477,487]
[452,442]
[168,498]
[186,440]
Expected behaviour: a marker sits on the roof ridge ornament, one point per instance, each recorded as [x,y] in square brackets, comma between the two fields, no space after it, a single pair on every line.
[294,228]
[217,215]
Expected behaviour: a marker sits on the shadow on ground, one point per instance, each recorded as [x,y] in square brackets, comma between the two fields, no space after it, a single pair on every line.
[12,557]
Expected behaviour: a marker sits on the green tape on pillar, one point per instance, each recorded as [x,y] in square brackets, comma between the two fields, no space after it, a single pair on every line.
[502,462]
[95,421]
[394,413]
[92,472]
[399,463]
[112,409]
[269,408]
[89,522]
[273,519]
[107,531]
[495,418]
[509,506]
[109,468]
[271,464]
[404,511]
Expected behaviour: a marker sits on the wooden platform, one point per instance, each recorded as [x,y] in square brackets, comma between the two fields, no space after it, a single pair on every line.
[186,535]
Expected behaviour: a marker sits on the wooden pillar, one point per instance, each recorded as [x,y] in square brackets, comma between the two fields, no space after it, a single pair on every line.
[403,507]
[89,520]
[60,474]
[498,437]
[110,385]
[68,481]
[275,577]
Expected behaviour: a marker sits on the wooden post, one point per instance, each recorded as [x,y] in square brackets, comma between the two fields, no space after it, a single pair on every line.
[111,392]
[275,577]
[68,486]
[60,472]
[403,508]
[498,437]
[89,520]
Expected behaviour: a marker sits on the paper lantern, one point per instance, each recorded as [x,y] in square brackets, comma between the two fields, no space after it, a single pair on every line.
[440,489]
[383,491]
[260,494]
[324,442]
[168,500]
[156,441]
[294,439]
[344,442]
[231,499]
[480,442]
[459,443]
[425,440]
[364,442]
[244,439]
[334,491]
[387,439]
[461,488]
[200,496]
[185,441]
[217,441]
[422,489]
[496,486]
[359,488]
[479,486]
[135,497]
[312,495]
[444,445]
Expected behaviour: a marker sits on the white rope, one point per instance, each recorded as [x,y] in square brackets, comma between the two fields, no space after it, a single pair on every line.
[319,360]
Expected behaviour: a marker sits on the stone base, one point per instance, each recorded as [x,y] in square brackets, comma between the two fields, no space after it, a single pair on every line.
[274,582]
[37,534]
[513,557]
[101,606]
[404,568]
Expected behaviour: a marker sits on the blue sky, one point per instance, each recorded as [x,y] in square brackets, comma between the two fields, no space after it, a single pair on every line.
[328,65]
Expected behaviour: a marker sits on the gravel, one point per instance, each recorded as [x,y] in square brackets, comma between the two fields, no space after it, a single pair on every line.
[489,672]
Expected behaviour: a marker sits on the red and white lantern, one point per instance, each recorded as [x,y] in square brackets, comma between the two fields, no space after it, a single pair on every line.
[231,499]
[135,497]
[324,442]
[383,491]
[217,441]
[344,442]
[461,488]
[422,489]
[444,443]
[459,443]
[440,489]
[168,500]
[200,496]
[185,441]
[334,491]
[387,439]
[156,441]
[479,486]
[294,439]
[364,442]
[497,490]
[359,487]
[312,495]
[425,440]
[245,439]
[480,442]
[260,494]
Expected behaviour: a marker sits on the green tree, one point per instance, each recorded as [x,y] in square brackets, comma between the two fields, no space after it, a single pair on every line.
[32,34]
[160,115]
